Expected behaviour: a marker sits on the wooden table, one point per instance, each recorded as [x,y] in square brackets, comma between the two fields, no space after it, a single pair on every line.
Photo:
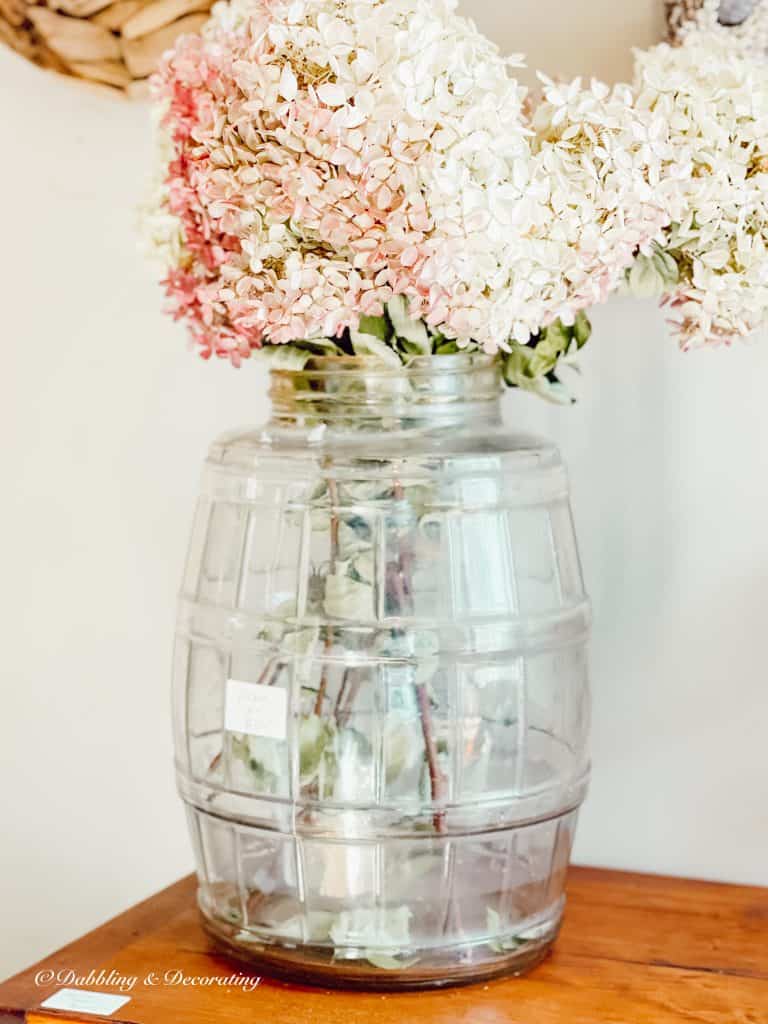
[635,949]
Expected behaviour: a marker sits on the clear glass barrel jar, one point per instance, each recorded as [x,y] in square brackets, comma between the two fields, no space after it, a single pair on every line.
[381,682]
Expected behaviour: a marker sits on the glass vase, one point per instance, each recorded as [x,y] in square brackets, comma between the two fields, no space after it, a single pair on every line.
[381,684]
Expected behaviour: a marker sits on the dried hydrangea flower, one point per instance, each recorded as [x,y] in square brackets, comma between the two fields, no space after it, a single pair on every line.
[712,100]
[329,158]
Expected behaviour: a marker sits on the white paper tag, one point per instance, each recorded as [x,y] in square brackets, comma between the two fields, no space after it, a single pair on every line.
[255,709]
[82,1001]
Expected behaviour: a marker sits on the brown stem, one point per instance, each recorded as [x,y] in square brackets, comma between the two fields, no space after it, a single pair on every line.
[405,555]
[436,777]
[268,670]
[396,584]
[401,580]
[333,498]
[344,712]
[324,674]
[340,696]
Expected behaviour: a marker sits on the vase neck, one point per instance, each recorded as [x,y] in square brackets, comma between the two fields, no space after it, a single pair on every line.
[349,394]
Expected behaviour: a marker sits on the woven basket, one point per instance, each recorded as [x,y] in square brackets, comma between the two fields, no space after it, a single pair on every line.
[679,12]
[116,44]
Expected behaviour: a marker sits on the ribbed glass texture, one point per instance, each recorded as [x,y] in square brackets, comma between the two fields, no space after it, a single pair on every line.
[381,688]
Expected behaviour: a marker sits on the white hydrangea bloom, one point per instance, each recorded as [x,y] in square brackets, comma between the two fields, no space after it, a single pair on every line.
[599,192]
[713,102]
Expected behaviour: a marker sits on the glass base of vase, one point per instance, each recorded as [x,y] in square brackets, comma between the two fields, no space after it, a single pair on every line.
[316,965]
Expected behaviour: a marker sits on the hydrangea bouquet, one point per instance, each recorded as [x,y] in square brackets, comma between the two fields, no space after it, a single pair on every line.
[369,177]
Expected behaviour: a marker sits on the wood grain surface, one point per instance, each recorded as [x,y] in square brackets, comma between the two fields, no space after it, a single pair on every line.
[635,949]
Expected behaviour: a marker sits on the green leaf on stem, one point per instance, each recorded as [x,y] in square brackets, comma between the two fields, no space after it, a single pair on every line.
[411,330]
[376,326]
[286,357]
[316,750]
[582,329]
[447,348]
[373,347]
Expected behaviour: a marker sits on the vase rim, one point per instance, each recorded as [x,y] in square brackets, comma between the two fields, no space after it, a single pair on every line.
[439,365]
[364,393]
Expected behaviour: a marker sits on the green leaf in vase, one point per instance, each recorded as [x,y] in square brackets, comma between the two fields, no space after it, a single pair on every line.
[300,645]
[363,566]
[365,490]
[499,945]
[411,330]
[263,758]
[286,357]
[517,366]
[300,641]
[582,329]
[347,598]
[552,391]
[317,757]
[384,931]
[448,347]
[354,536]
[419,497]
[389,963]
[313,926]
[322,346]
[554,340]
[365,344]
[522,368]
[377,326]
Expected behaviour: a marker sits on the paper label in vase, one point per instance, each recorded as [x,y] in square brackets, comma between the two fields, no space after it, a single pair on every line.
[255,709]
[76,1000]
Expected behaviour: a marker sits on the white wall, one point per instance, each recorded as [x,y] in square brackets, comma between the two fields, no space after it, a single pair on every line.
[105,420]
